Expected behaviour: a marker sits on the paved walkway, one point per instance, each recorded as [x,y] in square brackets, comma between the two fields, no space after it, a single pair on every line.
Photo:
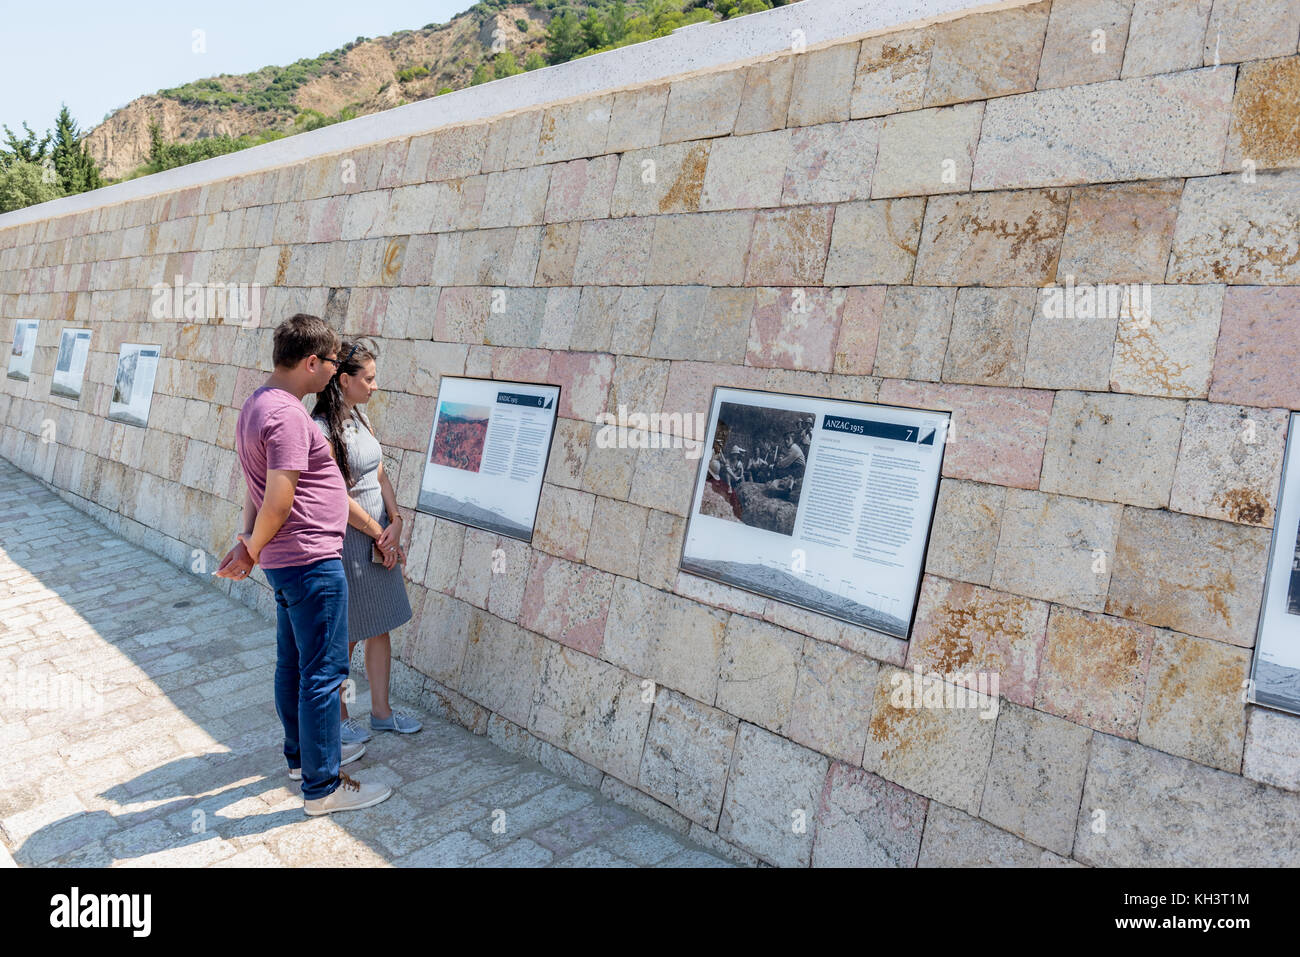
[137,717]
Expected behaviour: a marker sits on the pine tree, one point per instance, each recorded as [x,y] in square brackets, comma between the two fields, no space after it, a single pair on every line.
[25,150]
[562,40]
[76,168]
[616,21]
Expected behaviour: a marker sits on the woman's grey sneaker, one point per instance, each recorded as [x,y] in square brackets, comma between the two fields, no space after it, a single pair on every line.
[351,732]
[348,754]
[350,795]
[398,721]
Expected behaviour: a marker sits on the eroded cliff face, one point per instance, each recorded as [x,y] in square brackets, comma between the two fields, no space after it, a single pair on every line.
[365,79]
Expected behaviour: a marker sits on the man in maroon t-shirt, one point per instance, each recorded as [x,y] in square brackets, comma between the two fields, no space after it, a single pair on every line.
[295,514]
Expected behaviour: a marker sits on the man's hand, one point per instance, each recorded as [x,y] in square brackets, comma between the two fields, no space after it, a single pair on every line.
[237,564]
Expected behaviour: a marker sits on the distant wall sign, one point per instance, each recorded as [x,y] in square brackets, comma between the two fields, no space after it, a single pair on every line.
[1275,673]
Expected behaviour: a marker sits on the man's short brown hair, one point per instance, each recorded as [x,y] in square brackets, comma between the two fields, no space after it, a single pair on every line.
[301,336]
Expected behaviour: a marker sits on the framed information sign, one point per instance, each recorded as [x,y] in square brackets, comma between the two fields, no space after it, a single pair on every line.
[133,386]
[488,452]
[821,503]
[70,366]
[1275,672]
[23,349]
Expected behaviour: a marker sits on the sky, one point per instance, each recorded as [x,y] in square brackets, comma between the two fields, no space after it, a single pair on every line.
[99,56]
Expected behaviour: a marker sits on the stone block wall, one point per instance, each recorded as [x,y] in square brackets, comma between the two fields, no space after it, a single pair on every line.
[883,218]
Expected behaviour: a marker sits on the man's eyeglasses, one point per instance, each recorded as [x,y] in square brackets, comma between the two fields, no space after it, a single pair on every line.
[328,359]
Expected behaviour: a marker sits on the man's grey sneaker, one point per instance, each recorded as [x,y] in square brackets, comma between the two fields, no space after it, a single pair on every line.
[399,722]
[351,732]
[350,795]
[349,753]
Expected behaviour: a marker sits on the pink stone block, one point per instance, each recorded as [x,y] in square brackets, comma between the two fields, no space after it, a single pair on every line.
[584,379]
[521,365]
[690,384]
[567,602]
[1245,372]
[998,434]
[581,189]
[789,246]
[963,629]
[325,224]
[462,314]
[794,328]
[247,381]
[855,348]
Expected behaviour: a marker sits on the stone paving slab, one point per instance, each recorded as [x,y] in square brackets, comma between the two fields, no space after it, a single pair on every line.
[137,713]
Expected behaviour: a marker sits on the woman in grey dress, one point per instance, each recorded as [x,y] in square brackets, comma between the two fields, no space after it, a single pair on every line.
[377,600]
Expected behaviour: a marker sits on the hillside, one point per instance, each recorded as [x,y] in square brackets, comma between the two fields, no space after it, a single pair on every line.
[363,75]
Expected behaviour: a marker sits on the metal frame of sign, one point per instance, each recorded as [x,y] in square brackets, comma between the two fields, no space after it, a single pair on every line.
[550,442]
[1285,516]
[706,454]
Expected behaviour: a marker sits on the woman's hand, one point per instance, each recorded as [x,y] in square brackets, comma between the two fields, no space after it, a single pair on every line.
[390,536]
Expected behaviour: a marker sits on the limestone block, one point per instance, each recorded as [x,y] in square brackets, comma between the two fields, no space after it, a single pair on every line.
[830,163]
[1229,463]
[1114,448]
[1194,705]
[1163,811]
[891,72]
[1094,670]
[1165,36]
[614,542]
[704,248]
[765,100]
[661,549]
[743,172]
[672,641]
[1062,137]
[698,322]
[996,435]
[968,634]
[1251,30]
[1273,749]
[986,55]
[794,328]
[927,151]
[687,756]
[1212,591]
[592,710]
[989,336]
[864,821]
[914,332]
[568,603]
[1245,373]
[438,650]
[614,251]
[703,106]
[563,518]
[773,784]
[1073,52]
[992,239]
[964,536]
[503,663]
[1241,233]
[823,83]
[1120,233]
[954,839]
[788,246]
[574,129]
[1069,352]
[874,242]
[1264,129]
[832,701]
[1036,777]
[581,189]
[1168,349]
[939,752]
[665,179]
[636,118]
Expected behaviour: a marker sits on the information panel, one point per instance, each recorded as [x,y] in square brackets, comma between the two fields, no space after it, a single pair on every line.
[821,503]
[24,348]
[70,367]
[488,452]
[1275,674]
[133,388]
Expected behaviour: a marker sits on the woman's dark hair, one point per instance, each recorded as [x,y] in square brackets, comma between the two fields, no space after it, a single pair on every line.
[329,401]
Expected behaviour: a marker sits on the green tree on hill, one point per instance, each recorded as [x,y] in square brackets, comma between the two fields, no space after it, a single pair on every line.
[76,168]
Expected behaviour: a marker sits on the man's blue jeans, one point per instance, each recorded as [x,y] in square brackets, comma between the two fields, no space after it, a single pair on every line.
[311,662]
